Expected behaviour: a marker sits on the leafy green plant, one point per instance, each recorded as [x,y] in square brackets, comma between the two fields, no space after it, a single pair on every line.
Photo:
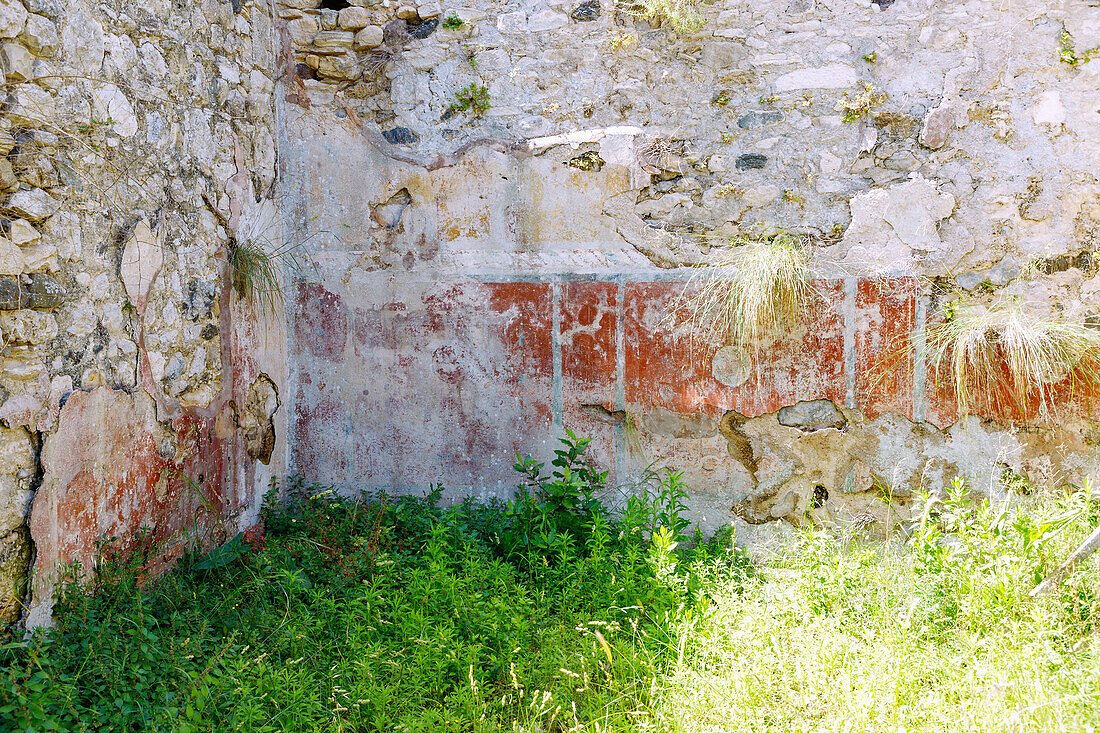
[396,613]
[1068,55]
[453,22]
[854,106]
[472,98]
[1006,357]
[744,294]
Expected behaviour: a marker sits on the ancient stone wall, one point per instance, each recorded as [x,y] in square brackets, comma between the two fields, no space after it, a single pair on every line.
[481,210]
[138,144]
[499,199]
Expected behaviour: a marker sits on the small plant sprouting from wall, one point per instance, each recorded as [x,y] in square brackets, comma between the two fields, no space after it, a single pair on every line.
[1008,358]
[1069,56]
[589,160]
[747,293]
[453,22]
[856,105]
[256,272]
[473,98]
[683,16]
[621,39]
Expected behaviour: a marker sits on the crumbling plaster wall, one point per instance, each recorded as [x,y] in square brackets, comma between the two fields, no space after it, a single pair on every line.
[474,284]
[477,283]
[137,390]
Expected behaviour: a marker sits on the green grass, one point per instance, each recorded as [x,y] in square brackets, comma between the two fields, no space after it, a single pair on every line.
[551,613]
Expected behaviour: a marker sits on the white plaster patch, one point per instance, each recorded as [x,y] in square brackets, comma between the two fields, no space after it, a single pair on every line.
[830,76]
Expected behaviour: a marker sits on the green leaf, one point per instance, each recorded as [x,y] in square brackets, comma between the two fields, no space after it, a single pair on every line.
[219,557]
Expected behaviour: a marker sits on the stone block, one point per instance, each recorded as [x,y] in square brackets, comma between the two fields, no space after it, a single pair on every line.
[32,204]
[11,258]
[429,10]
[812,415]
[353,18]
[401,136]
[408,12]
[28,327]
[757,118]
[142,257]
[9,181]
[302,30]
[830,76]
[15,556]
[18,62]
[44,292]
[32,105]
[340,68]
[110,103]
[425,29]
[13,16]
[49,8]
[750,161]
[12,293]
[40,256]
[22,233]
[587,11]
[937,124]
[40,36]
[333,42]
[369,37]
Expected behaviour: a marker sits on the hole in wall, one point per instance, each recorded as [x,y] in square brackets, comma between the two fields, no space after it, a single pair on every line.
[821,495]
[336,4]
[388,214]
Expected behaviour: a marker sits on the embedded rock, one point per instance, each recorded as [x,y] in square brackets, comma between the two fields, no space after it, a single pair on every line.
[811,416]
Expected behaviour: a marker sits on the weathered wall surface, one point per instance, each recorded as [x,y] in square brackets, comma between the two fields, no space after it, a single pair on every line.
[482,269]
[479,282]
[138,145]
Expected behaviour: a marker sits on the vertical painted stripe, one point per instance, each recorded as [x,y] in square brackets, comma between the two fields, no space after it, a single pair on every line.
[621,462]
[555,346]
[919,351]
[620,350]
[851,285]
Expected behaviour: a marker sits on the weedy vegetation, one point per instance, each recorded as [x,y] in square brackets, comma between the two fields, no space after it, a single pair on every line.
[256,270]
[683,16]
[1006,358]
[554,612]
[855,105]
[747,293]
[1068,55]
[473,98]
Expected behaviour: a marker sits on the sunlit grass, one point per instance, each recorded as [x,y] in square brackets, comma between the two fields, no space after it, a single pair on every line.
[1004,357]
[398,615]
[747,293]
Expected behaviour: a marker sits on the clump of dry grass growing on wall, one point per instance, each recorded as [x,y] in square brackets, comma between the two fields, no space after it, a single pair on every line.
[747,293]
[683,16]
[1008,358]
[257,263]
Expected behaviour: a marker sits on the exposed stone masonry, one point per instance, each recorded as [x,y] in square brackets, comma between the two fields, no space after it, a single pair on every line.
[488,204]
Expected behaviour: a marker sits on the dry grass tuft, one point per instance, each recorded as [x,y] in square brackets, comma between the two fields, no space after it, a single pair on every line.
[256,263]
[683,16]
[1007,358]
[747,293]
